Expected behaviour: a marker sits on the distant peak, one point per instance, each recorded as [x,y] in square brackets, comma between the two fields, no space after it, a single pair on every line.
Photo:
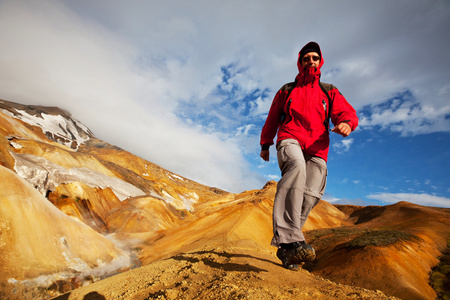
[57,124]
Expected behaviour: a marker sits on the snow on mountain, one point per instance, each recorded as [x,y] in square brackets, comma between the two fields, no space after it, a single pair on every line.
[60,127]
[186,200]
[46,175]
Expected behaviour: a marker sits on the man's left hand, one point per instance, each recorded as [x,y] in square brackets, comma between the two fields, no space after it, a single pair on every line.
[343,129]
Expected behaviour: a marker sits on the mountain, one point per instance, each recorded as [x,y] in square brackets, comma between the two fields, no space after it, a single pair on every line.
[76,210]
[38,239]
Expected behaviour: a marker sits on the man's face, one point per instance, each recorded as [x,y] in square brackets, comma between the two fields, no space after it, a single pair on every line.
[311,60]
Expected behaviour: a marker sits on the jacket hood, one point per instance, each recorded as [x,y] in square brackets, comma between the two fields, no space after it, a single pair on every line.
[310,45]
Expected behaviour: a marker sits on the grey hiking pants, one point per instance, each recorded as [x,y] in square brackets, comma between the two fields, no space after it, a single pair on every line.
[300,188]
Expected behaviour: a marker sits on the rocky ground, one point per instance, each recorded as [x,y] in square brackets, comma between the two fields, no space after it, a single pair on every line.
[235,271]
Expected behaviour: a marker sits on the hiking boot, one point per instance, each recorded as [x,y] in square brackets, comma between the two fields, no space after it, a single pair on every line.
[296,253]
[281,254]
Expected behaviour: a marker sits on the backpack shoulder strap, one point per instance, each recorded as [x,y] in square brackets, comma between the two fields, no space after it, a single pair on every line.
[288,87]
[326,87]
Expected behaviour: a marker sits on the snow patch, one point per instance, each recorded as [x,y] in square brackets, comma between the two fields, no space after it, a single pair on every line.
[189,200]
[186,200]
[167,197]
[173,177]
[15,145]
[62,129]
[46,175]
[101,271]
[146,171]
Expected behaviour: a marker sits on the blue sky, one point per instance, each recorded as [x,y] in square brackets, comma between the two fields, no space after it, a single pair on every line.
[187,85]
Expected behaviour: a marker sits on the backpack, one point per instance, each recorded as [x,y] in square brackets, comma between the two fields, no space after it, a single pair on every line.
[325,88]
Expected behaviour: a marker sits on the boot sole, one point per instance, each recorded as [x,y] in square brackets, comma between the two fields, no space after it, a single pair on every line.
[302,255]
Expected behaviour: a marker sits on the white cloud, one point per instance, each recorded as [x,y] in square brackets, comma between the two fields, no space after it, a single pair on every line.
[343,145]
[421,199]
[261,106]
[406,116]
[273,177]
[146,75]
[92,72]
[330,198]
[244,130]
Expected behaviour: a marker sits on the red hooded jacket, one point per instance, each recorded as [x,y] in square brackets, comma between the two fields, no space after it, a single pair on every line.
[303,116]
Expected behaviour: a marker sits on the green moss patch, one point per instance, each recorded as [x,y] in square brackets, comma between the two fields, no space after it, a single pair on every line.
[440,275]
[328,236]
[358,237]
[380,238]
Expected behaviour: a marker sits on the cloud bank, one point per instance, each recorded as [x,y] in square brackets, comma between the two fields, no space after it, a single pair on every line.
[421,199]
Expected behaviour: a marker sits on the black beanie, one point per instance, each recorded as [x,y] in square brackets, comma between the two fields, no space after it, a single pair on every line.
[312,47]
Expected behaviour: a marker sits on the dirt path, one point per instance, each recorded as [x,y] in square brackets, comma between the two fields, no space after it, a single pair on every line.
[233,272]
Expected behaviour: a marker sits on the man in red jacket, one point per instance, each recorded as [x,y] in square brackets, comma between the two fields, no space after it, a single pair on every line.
[299,116]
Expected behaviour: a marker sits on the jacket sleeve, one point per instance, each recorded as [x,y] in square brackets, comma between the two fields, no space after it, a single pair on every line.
[273,120]
[341,110]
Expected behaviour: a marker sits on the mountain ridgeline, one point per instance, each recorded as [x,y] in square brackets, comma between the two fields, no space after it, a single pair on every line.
[81,217]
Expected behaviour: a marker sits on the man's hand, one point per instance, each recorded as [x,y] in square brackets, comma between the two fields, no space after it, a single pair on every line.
[265,155]
[343,129]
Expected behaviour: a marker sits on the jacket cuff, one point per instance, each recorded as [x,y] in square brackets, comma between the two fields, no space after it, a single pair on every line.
[265,147]
[349,122]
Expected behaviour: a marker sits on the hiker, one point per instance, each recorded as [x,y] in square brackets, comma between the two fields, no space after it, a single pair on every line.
[300,114]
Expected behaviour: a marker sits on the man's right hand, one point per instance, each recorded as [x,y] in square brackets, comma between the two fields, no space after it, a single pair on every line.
[265,155]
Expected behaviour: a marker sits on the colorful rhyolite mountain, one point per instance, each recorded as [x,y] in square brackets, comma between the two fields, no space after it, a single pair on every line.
[75,210]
